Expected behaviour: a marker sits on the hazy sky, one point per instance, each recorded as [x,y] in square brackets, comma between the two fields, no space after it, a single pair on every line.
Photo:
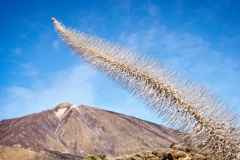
[199,38]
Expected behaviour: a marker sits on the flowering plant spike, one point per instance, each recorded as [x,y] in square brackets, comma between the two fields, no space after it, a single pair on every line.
[208,124]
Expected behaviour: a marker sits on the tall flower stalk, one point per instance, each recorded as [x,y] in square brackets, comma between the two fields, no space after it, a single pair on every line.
[211,126]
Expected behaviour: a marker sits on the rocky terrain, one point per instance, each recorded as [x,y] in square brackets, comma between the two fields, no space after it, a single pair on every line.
[17,153]
[176,152]
[76,131]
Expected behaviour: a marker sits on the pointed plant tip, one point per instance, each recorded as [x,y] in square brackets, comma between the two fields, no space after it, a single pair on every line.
[53,19]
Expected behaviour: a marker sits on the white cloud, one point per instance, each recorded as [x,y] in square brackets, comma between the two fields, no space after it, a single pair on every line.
[130,39]
[24,35]
[208,13]
[184,43]
[55,44]
[27,69]
[30,72]
[230,40]
[143,39]
[25,65]
[17,51]
[179,9]
[73,85]
[152,9]
[77,85]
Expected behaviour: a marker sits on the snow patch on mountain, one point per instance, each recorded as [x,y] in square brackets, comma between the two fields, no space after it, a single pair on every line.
[60,112]
[74,106]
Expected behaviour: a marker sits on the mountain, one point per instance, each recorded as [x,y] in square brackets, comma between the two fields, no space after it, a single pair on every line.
[74,131]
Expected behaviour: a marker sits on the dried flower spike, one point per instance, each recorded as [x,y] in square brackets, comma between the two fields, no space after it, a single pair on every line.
[210,125]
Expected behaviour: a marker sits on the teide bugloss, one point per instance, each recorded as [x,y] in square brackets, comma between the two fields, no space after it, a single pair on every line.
[209,125]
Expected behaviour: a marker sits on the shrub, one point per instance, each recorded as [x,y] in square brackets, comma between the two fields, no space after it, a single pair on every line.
[91,157]
[102,156]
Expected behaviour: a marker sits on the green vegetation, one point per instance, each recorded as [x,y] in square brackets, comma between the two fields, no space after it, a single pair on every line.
[198,157]
[172,145]
[159,154]
[102,156]
[91,157]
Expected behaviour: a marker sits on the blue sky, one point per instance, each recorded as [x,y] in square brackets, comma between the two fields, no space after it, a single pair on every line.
[199,38]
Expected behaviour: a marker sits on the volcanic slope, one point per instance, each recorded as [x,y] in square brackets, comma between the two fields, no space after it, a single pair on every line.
[79,130]
[18,153]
